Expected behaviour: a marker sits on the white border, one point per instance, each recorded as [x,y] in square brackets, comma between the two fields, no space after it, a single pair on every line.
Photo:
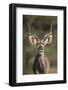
[19,52]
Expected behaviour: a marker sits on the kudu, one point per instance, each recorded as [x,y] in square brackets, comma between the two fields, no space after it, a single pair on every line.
[41,64]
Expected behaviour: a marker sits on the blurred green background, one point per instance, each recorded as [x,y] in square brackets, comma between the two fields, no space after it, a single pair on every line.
[39,25]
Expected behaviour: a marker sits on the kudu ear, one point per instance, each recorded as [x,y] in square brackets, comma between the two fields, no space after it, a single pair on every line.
[33,39]
[47,39]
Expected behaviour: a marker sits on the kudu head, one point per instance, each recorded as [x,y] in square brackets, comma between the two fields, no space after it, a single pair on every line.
[40,44]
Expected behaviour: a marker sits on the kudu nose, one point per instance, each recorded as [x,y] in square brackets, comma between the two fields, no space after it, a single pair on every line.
[40,48]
